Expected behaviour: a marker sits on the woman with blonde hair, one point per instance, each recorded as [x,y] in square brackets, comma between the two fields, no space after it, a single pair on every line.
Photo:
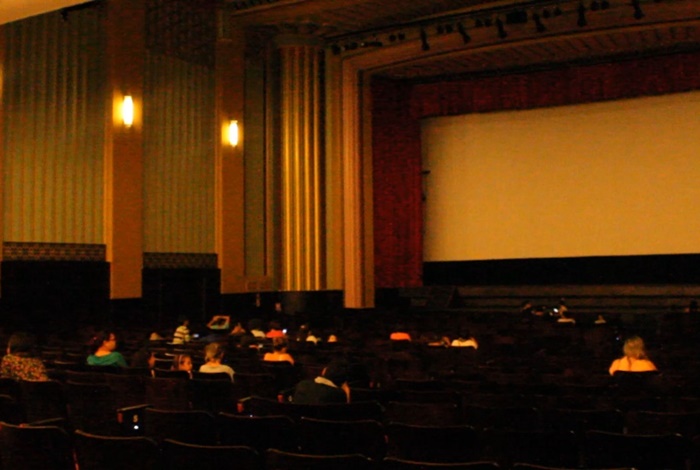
[635,358]
[214,356]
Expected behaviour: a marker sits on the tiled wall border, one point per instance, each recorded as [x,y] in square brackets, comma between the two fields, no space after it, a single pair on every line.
[180,260]
[32,251]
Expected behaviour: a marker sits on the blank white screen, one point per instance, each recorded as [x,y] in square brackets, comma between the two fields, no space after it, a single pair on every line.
[603,179]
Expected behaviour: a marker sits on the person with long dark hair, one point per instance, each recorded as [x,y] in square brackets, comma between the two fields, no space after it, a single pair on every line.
[103,348]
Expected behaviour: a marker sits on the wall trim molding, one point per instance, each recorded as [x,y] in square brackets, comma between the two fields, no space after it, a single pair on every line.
[180,260]
[37,251]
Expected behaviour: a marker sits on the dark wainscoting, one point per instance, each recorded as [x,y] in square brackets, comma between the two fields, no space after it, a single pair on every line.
[319,308]
[655,269]
[44,295]
[169,293]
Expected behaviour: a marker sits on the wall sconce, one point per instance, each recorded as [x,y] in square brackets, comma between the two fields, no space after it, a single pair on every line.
[232,133]
[128,111]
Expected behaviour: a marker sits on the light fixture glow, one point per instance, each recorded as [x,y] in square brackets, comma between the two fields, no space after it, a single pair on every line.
[128,111]
[233,133]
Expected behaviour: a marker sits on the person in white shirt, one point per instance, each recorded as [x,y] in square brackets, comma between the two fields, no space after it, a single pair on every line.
[214,355]
[465,340]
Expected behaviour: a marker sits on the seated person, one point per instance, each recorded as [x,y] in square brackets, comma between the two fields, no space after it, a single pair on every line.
[465,340]
[183,362]
[400,334]
[312,338]
[143,357]
[214,355]
[238,330]
[635,358]
[255,328]
[435,340]
[279,351]
[182,332]
[103,346]
[219,322]
[564,317]
[330,387]
[275,331]
[20,362]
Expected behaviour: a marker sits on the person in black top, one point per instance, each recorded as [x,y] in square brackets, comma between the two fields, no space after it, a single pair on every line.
[330,387]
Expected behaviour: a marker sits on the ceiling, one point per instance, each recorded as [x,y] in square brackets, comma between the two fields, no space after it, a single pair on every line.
[13,10]
[431,39]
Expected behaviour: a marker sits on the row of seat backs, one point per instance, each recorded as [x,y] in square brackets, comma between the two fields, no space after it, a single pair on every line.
[20,447]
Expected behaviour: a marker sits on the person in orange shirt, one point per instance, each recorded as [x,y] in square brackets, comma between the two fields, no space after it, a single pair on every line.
[275,331]
[279,351]
[399,334]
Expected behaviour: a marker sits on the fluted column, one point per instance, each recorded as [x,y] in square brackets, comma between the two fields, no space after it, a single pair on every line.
[2,141]
[301,195]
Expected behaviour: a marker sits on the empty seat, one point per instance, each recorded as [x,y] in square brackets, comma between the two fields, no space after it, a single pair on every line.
[97,452]
[366,437]
[194,427]
[652,452]
[183,456]
[35,448]
[424,414]
[457,443]
[258,432]
[279,460]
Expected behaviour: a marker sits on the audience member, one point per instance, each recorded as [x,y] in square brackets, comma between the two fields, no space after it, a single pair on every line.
[103,347]
[183,362]
[219,322]
[330,387]
[465,340]
[635,358]
[279,351]
[213,356]
[238,330]
[312,338]
[182,332]
[400,334]
[275,331]
[20,362]
[143,357]
[255,328]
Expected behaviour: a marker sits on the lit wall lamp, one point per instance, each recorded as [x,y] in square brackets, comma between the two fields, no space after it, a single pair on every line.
[232,133]
[128,111]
